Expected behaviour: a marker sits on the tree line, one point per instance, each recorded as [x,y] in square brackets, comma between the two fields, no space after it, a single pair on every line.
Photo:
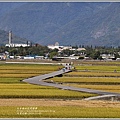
[91,52]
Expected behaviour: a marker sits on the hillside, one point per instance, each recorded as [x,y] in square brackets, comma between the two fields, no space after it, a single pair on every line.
[71,23]
[101,28]
[5,7]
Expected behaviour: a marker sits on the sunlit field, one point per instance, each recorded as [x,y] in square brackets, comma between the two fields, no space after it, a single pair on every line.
[98,68]
[59,112]
[18,98]
[88,80]
[33,91]
[11,85]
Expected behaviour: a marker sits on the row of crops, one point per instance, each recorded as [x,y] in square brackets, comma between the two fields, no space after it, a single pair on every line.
[94,75]
[104,76]
[11,85]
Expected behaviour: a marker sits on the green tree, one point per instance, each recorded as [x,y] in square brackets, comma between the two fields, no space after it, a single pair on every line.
[53,54]
[96,55]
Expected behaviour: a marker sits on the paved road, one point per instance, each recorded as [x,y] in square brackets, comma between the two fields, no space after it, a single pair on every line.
[44,63]
[38,80]
[112,97]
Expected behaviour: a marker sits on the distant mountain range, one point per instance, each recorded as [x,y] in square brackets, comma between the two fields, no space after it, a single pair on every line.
[69,23]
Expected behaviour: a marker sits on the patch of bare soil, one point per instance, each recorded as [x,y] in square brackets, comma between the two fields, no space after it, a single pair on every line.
[49,102]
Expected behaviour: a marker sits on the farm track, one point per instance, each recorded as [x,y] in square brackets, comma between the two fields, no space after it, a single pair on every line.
[38,80]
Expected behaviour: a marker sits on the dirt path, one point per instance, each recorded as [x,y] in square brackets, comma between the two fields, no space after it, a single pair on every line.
[49,102]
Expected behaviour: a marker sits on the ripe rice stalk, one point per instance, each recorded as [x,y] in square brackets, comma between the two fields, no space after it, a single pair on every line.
[85,80]
[92,74]
[30,91]
[98,68]
[109,88]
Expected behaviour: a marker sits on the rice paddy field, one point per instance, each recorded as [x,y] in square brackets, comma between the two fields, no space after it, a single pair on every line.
[22,100]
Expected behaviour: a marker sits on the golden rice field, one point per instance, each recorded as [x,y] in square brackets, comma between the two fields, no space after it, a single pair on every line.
[104,77]
[91,80]
[33,91]
[108,88]
[64,104]
[11,86]
[98,83]
[59,112]
[103,63]
[30,67]
[98,68]
[92,74]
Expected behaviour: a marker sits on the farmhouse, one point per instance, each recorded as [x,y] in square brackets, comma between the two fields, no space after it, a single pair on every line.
[108,56]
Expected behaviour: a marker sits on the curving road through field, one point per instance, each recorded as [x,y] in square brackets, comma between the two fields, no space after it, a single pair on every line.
[38,80]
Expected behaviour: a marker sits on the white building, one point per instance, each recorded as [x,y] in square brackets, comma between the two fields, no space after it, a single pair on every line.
[10,44]
[55,47]
[39,57]
[108,56]
[60,48]
[16,45]
[81,49]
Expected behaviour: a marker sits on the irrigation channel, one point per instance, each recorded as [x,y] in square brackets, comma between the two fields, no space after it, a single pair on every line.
[38,80]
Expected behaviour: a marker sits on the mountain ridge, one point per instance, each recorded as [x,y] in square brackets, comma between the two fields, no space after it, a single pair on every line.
[95,32]
[69,23]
